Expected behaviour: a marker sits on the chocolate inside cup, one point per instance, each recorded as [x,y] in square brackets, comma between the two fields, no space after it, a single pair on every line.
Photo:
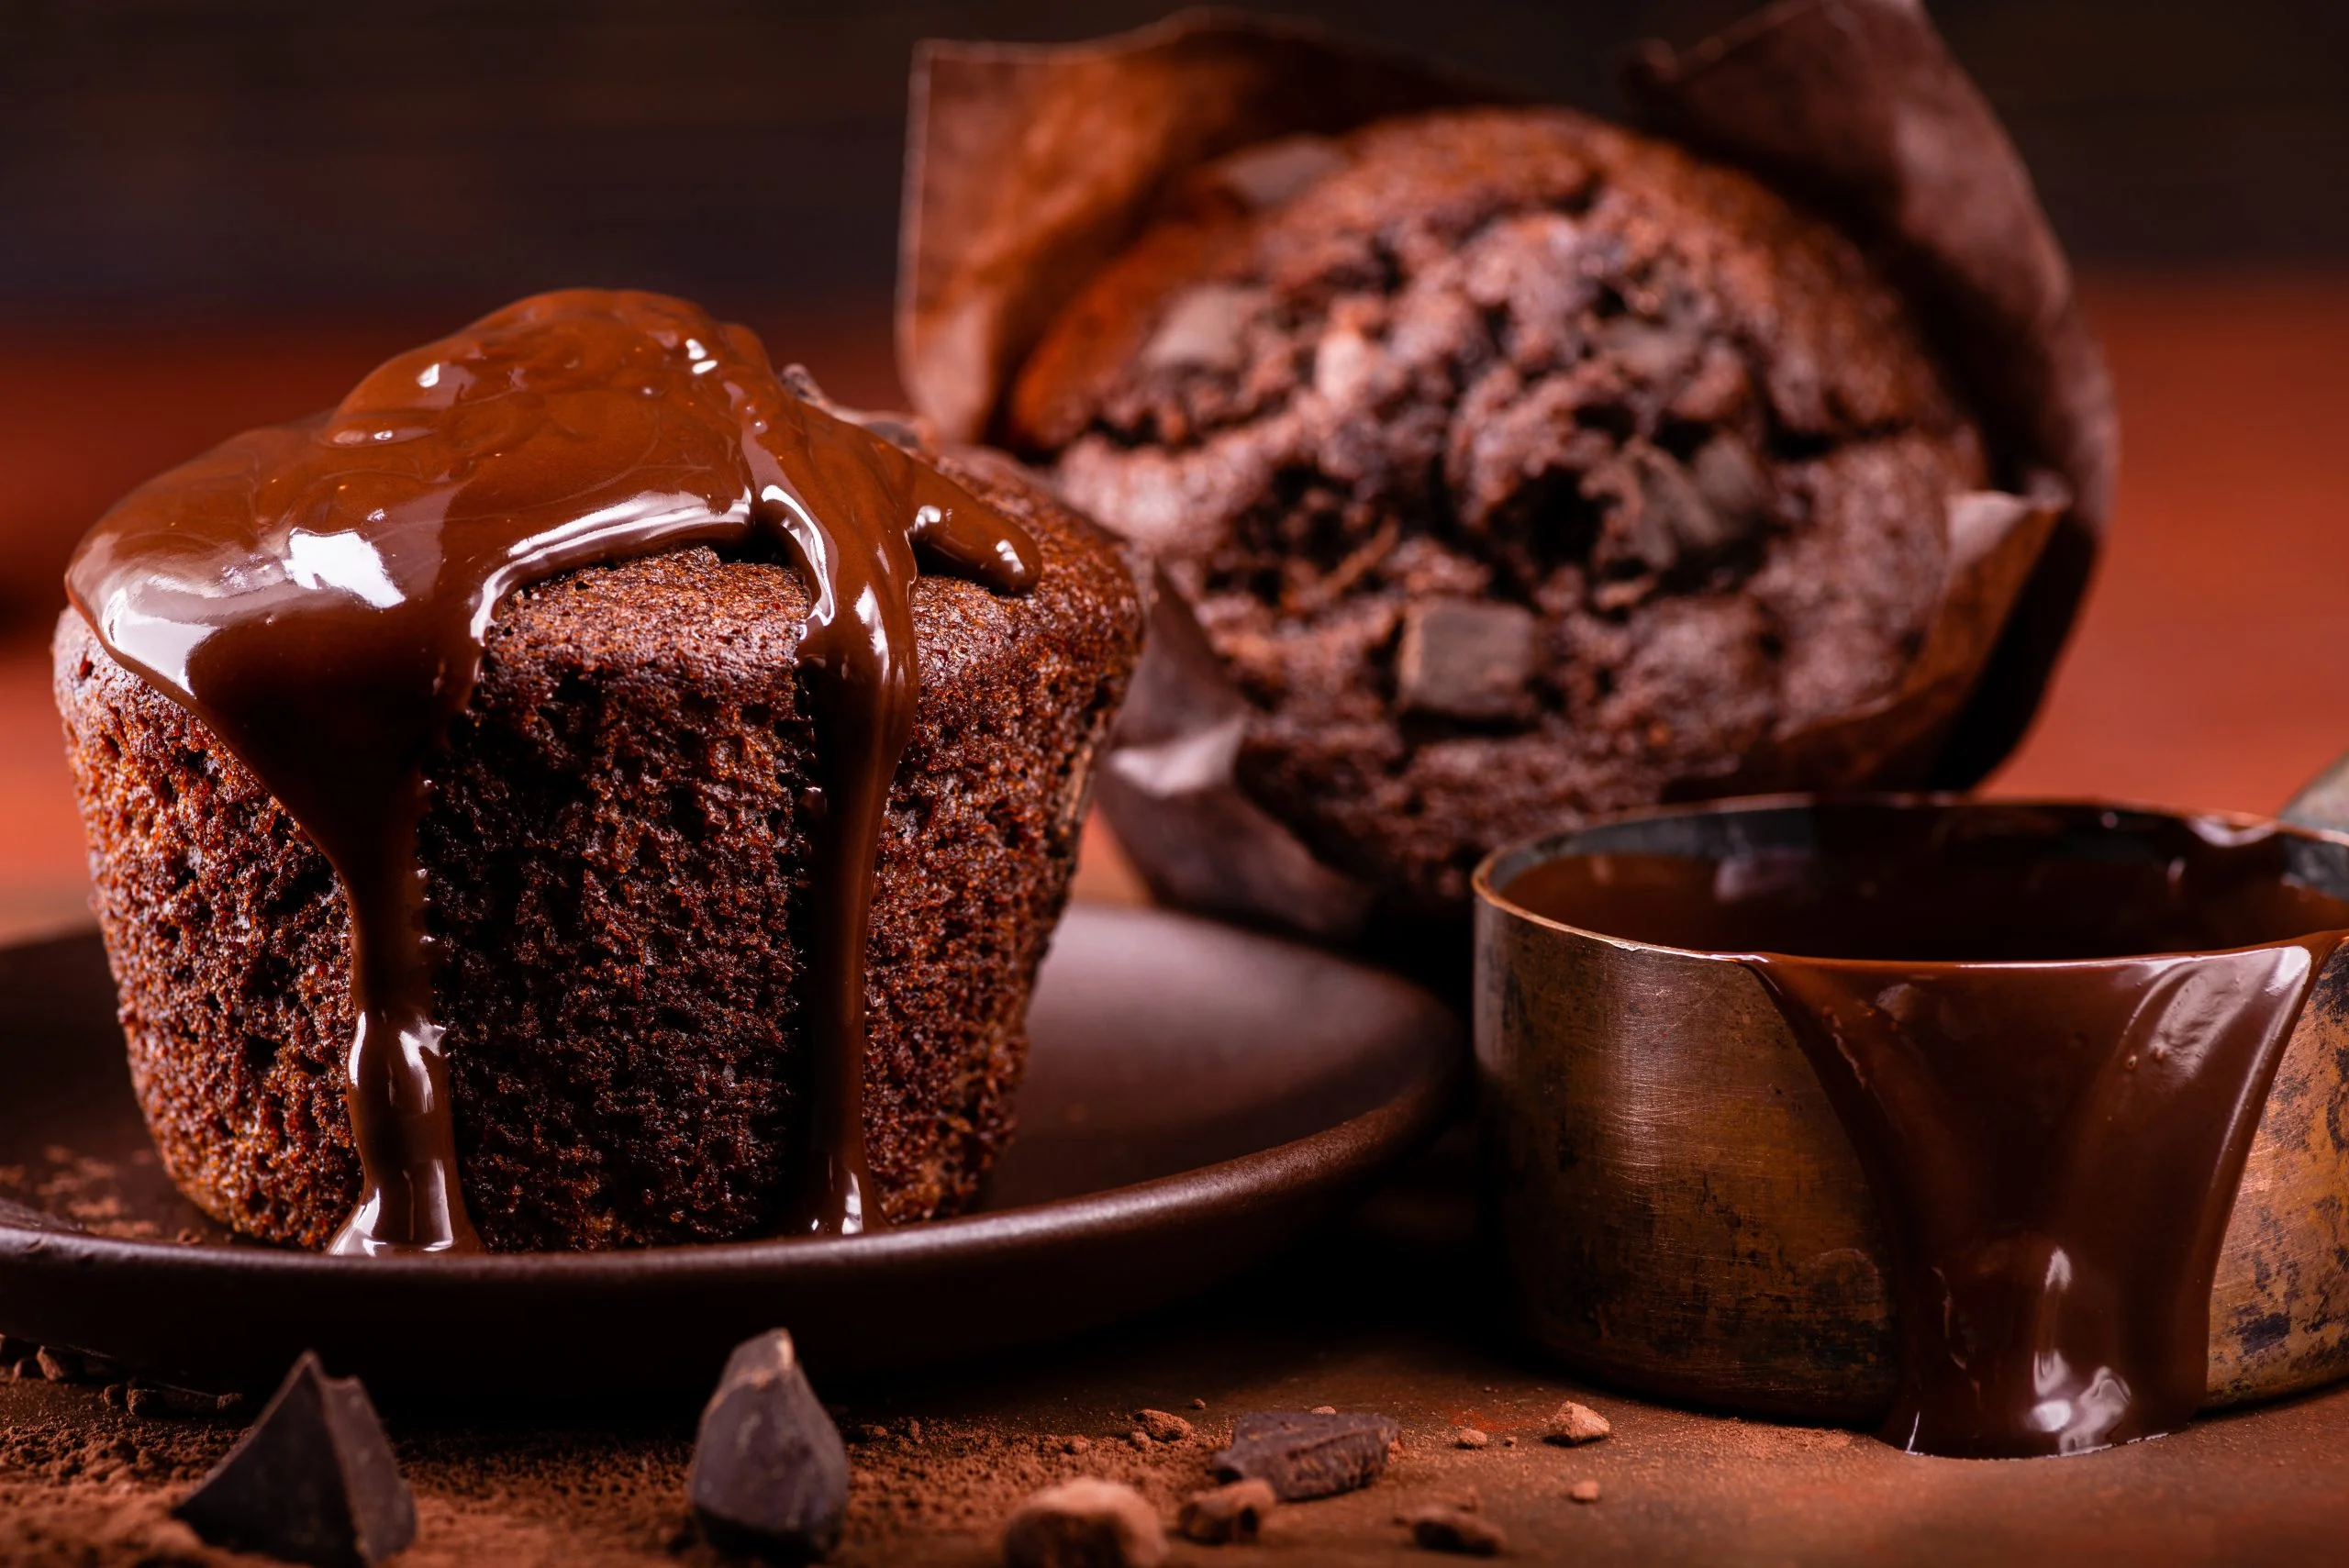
[1985,882]
[2049,1033]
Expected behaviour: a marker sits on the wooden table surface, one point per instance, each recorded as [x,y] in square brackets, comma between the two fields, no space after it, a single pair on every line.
[2208,671]
[1388,1312]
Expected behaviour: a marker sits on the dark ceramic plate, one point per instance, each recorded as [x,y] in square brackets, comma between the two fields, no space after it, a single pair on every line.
[1197,1096]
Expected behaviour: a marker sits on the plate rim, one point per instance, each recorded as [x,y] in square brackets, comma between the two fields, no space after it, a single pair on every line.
[1354,1149]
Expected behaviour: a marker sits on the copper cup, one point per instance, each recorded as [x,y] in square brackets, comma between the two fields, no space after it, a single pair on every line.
[1681,1213]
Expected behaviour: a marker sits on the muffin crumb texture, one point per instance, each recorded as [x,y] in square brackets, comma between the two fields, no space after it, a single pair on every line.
[616,856]
[1520,468]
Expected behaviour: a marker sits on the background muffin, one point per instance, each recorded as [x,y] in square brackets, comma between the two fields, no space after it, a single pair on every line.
[1518,467]
[618,855]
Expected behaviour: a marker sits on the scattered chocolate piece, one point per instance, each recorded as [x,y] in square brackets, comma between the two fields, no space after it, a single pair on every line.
[313,1481]
[116,1396]
[58,1366]
[1584,1491]
[770,1475]
[153,1400]
[1227,1514]
[1305,1455]
[1325,1409]
[1469,1437]
[871,1432]
[1461,659]
[1440,1528]
[1077,1445]
[1508,1439]
[1198,1404]
[1084,1523]
[61,1365]
[1162,1426]
[1574,1425]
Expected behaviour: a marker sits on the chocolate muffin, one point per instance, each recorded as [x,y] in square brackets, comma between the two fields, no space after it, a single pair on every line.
[617,850]
[1518,467]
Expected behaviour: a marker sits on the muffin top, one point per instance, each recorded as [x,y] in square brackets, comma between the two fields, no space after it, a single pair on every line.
[1519,467]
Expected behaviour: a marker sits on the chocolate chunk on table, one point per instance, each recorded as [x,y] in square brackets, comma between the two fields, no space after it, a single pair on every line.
[1301,1455]
[151,1399]
[1572,1425]
[770,1474]
[1442,1529]
[313,1480]
[1232,1512]
[1163,1425]
[1084,1523]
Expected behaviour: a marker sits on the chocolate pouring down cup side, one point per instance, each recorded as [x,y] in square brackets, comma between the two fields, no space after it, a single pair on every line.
[1682,1213]
[1030,167]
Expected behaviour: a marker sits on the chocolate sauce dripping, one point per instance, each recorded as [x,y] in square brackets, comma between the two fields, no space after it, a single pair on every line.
[319,594]
[2053,1111]
[2055,1149]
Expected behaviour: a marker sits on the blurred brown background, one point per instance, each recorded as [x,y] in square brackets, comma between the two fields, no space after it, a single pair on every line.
[218,213]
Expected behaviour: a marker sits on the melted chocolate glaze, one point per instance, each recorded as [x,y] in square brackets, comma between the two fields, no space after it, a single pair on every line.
[2051,1061]
[319,594]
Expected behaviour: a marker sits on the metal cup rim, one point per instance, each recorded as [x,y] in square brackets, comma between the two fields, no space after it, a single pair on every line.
[1521,855]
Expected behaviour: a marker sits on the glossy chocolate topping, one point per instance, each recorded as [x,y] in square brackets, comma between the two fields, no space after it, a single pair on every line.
[319,594]
[2051,1059]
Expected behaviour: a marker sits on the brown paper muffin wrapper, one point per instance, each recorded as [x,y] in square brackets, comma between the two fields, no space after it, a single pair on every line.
[1028,167]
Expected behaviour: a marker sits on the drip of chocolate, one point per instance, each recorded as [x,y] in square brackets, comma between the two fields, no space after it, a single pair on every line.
[319,594]
[2050,1065]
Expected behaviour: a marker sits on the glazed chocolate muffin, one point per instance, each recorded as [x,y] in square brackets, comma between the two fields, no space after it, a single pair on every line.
[1518,467]
[618,848]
